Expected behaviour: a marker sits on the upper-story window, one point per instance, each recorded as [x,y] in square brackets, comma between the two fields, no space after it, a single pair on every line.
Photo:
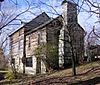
[19,44]
[39,38]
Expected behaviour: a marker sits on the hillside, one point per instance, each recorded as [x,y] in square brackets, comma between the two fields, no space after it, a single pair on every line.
[87,74]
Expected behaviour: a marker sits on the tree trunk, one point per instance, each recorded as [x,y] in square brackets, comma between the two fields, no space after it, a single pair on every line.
[24,54]
[38,65]
[73,60]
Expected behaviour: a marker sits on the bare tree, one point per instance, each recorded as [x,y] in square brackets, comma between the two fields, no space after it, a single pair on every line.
[93,39]
[9,19]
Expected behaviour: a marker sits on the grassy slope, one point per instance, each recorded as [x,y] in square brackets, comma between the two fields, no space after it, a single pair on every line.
[84,72]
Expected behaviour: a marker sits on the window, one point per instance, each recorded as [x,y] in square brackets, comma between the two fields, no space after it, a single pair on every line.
[39,38]
[19,45]
[13,61]
[29,62]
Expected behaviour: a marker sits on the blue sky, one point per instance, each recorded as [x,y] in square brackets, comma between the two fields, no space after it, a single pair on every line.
[84,18]
[36,8]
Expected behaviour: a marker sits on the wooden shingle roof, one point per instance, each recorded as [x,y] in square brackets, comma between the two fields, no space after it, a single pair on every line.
[39,20]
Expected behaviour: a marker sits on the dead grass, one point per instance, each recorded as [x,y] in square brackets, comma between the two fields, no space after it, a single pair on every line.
[84,73]
[63,77]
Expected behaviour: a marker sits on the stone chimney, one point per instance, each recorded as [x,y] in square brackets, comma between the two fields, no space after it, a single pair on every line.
[69,11]
[69,14]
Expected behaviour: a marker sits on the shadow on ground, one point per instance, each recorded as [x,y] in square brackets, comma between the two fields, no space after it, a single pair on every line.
[93,81]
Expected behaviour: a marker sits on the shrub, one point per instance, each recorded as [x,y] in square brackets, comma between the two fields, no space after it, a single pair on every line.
[9,75]
[48,53]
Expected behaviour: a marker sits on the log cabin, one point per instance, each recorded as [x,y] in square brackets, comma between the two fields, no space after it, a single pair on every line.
[63,31]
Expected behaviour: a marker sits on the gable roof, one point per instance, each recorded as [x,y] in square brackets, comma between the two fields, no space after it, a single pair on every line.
[46,23]
[39,20]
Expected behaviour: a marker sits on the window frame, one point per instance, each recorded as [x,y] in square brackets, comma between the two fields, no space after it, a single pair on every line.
[29,62]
